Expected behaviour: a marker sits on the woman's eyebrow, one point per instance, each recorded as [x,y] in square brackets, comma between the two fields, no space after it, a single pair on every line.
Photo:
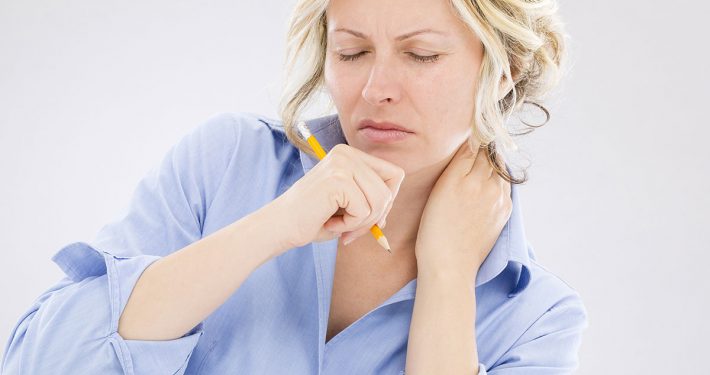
[399,38]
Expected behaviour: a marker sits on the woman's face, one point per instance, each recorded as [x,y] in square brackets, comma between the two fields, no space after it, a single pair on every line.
[385,81]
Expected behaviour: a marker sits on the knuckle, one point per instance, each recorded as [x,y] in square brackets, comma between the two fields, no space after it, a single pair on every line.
[334,161]
[334,196]
[339,149]
[363,219]
[329,157]
[339,174]
[336,154]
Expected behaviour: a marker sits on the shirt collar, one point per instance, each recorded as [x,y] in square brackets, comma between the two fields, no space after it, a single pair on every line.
[510,250]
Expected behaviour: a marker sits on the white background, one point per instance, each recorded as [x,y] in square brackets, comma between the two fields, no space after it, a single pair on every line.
[92,94]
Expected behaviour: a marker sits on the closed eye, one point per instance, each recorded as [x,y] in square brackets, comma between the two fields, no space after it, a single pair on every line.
[423,59]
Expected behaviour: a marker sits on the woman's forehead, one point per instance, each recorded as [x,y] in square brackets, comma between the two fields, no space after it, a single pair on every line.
[393,12]
[400,20]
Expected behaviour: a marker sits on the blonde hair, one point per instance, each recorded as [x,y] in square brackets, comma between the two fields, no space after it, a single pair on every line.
[523,45]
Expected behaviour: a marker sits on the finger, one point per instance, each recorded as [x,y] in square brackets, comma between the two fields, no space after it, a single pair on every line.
[354,205]
[376,192]
[386,193]
[505,185]
[379,194]
[390,173]
[348,237]
[492,165]
[500,163]
[481,166]
[364,230]
[382,222]
[463,159]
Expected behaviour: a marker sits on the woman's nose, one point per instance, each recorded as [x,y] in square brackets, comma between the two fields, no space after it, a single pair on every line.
[382,86]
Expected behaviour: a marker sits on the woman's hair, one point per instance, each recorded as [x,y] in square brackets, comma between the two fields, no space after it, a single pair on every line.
[523,43]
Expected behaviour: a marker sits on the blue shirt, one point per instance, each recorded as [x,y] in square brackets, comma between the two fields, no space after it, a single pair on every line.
[528,320]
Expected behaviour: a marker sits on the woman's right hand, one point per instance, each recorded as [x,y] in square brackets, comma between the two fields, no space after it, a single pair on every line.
[347,192]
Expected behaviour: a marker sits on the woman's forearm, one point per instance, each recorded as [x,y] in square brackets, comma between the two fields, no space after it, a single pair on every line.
[442,337]
[177,292]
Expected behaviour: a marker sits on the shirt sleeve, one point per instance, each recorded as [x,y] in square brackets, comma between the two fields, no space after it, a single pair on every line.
[72,328]
[550,345]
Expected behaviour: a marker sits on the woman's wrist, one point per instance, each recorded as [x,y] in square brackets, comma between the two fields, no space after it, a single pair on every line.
[268,229]
[449,275]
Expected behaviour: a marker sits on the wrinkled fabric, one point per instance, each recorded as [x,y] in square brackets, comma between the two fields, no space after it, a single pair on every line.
[528,320]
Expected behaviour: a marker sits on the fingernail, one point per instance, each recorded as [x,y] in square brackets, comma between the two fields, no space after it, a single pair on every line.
[346,242]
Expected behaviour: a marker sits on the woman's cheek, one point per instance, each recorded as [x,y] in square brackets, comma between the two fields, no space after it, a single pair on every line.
[431,80]
[342,84]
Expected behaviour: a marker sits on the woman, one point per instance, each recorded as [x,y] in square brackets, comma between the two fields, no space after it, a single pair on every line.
[228,259]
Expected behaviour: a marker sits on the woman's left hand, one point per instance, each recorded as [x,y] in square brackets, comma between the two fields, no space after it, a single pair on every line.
[464,215]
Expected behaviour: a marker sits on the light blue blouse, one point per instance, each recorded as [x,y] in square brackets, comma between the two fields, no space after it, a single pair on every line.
[528,320]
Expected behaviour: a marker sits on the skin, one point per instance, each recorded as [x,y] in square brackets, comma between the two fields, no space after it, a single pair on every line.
[435,99]
[386,83]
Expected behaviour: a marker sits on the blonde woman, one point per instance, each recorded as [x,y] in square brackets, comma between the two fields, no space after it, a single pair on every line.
[243,253]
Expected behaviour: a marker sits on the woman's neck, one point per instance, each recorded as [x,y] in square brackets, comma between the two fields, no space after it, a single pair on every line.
[405,216]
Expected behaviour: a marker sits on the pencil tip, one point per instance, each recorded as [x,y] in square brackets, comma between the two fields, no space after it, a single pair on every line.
[383,242]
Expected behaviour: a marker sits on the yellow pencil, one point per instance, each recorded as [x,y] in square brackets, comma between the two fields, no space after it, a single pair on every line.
[315,145]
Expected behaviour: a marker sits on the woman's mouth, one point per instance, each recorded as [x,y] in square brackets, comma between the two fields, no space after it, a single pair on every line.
[384,136]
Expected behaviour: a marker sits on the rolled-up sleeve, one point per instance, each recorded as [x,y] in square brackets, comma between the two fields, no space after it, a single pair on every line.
[550,345]
[72,328]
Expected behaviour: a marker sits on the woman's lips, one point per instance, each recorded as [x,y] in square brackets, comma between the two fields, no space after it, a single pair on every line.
[384,125]
[384,136]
